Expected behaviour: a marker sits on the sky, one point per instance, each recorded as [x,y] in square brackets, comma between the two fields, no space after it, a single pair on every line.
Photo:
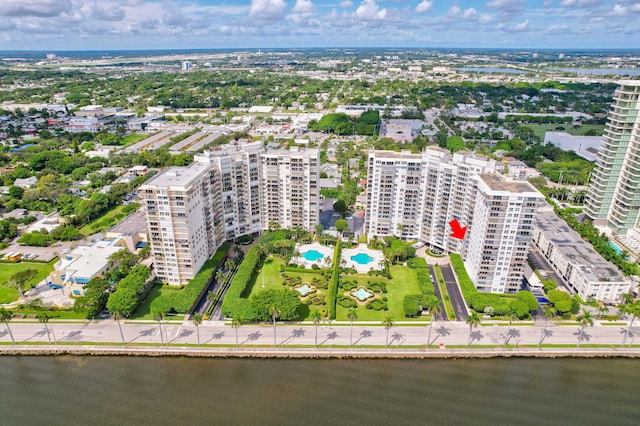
[193,24]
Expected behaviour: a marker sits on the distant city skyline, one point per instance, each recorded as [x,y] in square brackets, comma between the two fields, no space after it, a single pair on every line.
[202,24]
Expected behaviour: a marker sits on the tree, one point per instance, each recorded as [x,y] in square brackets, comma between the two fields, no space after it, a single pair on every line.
[340,206]
[158,315]
[43,318]
[512,315]
[275,313]
[316,320]
[342,225]
[286,301]
[435,309]
[474,321]
[561,300]
[123,301]
[319,228]
[236,322]
[116,316]
[197,320]
[388,323]
[584,319]
[21,278]
[528,298]
[633,309]
[5,317]
[549,312]
[353,316]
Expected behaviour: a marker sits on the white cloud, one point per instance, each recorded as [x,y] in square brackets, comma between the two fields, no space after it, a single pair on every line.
[346,4]
[114,13]
[557,28]
[470,14]
[424,6]
[522,26]
[453,11]
[370,11]
[507,7]
[303,6]
[39,8]
[579,3]
[267,10]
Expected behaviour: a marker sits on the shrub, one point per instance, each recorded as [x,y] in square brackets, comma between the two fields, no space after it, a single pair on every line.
[314,266]
[346,285]
[377,305]
[346,302]
[333,284]
[411,305]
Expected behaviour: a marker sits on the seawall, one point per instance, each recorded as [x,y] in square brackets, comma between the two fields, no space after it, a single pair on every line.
[311,353]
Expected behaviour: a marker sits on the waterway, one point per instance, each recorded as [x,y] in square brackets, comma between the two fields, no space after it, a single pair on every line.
[602,71]
[492,70]
[178,391]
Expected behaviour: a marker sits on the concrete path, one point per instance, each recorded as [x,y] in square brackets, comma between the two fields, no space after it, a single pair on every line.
[214,333]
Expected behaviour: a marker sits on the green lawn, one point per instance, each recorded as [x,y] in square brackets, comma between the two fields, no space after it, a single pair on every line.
[131,139]
[104,222]
[7,294]
[144,310]
[404,282]
[272,280]
[540,129]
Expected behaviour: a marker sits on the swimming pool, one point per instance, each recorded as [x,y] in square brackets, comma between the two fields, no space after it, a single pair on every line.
[617,249]
[312,255]
[362,258]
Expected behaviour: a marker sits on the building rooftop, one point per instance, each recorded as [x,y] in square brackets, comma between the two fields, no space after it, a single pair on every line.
[86,261]
[497,183]
[579,253]
[135,223]
[177,176]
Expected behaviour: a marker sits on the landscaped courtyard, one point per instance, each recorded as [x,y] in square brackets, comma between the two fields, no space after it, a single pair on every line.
[313,254]
[362,259]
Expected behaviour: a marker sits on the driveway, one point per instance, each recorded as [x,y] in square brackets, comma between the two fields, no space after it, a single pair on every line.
[459,305]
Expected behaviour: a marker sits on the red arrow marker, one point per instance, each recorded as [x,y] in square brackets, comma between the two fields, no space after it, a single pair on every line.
[458,232]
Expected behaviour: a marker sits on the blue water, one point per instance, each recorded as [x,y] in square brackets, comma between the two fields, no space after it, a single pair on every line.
[312,255]
[362,294]
[615,247]
[362,258]
[492,70]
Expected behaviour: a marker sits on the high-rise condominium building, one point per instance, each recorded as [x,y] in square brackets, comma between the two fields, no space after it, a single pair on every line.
[415,196]
[290,197]
[192,210]
[499,237]
[614,195]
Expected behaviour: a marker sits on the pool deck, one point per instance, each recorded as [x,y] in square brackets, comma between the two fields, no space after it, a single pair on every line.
[327,253]
[376,255]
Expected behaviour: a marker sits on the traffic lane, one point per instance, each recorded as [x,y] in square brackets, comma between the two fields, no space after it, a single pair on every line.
[457,300]
[438,294]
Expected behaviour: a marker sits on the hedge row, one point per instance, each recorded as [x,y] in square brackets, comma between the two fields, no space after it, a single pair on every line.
[234,306]
[129,289]
[333,284]
[182,301]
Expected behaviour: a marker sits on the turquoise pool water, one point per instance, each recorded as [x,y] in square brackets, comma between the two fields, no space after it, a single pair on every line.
[615,247]
[362,294]
[362,258]
[312,255]
[304,290]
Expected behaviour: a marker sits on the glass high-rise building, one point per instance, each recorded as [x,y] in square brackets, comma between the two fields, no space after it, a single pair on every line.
[614,194]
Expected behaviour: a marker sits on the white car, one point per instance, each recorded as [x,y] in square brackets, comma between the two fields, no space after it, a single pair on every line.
[419,245]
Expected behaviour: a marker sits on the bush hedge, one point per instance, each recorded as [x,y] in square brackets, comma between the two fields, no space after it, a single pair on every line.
[416,262]
[333,284]
[377,305]
[231,306]
[346,302]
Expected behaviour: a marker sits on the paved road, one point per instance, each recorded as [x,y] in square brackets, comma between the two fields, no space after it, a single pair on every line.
[438,294]
[454,293]
[447,333]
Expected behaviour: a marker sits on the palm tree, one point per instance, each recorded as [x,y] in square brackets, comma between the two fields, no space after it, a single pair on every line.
[159,316]
[353,316]
[585,319]
[512,317]
[197,320]
[116,316]
[5,317]
[602,309]
[474,321]
[43,318]
[549,312]
[634,310]
[236,322]
[435,309]
[220,276]
[316,320]
[388,323]
[275,313]
[261,250]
